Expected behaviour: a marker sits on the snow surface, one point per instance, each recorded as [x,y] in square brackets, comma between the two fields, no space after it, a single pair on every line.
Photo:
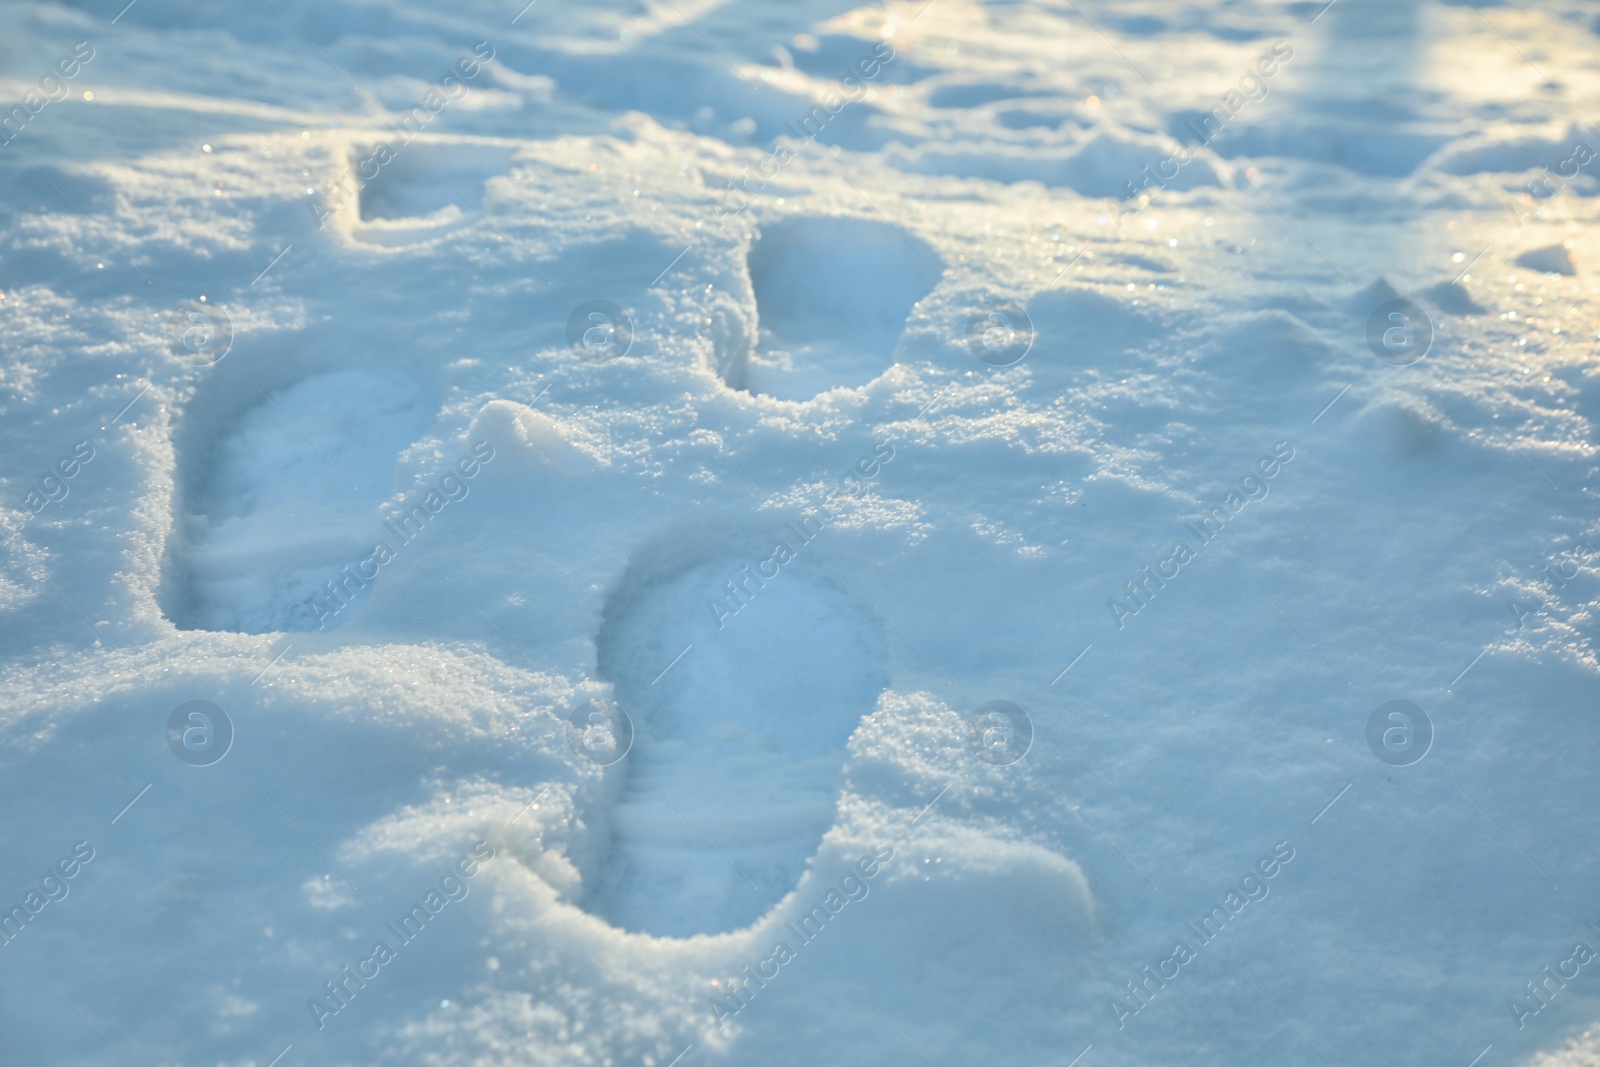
[596,461]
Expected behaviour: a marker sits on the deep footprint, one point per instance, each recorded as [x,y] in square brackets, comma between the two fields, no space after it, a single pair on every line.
[734,775]
[291,496]
[832,296]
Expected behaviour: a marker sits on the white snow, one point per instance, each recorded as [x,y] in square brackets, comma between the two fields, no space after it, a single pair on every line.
[945,355]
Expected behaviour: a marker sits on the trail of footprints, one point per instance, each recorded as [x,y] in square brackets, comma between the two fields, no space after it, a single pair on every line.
[734,773]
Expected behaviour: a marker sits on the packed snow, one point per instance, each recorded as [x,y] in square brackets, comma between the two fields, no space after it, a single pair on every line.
[1052,532]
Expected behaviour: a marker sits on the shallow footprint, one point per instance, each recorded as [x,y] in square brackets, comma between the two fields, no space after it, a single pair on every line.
[290,499]
[734,774]
[418,191]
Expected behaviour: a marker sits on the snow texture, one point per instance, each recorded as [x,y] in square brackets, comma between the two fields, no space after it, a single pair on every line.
[739,533]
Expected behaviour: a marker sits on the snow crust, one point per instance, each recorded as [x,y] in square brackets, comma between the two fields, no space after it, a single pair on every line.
[944,355]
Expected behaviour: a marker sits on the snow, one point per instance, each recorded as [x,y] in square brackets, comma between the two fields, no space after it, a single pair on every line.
[965,559]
